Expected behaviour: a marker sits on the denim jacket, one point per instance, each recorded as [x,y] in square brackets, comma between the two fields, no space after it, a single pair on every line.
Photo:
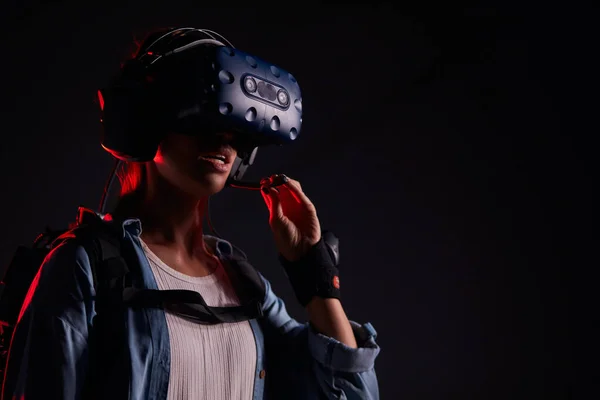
[49,351]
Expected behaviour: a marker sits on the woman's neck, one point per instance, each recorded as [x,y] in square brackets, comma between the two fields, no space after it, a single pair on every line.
[169,217]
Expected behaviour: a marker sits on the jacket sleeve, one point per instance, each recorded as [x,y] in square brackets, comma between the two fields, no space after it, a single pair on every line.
[307,359]
[48,354]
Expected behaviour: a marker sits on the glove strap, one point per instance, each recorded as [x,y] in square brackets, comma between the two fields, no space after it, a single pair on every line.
[316,273]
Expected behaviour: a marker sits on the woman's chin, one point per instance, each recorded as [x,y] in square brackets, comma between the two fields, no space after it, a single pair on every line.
[210,184]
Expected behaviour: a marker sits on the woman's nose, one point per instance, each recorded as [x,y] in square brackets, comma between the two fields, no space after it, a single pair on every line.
[226,136]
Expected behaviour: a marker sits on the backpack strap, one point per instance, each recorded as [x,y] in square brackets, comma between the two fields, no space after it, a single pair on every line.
[108,340]
[115,293]
[110,271]
[191,305]
[114,289]
[109,337]
[245,278]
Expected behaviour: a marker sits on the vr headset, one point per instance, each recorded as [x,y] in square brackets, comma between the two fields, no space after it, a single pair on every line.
[193,81]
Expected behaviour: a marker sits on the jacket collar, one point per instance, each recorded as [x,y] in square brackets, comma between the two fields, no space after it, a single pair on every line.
[133,226]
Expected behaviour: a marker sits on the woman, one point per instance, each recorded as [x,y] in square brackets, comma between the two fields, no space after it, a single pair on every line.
[161,210]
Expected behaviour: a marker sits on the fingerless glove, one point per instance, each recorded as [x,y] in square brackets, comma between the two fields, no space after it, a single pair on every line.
[316,273]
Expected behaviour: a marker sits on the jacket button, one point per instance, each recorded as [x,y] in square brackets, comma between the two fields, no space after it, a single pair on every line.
[262,374]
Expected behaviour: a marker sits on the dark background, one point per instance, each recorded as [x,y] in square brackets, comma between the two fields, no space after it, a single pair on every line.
[434,144]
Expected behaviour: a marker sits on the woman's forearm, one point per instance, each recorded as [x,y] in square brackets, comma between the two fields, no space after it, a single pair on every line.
[327,316]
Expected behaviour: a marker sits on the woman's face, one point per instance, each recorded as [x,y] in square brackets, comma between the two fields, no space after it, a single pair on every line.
[198,165]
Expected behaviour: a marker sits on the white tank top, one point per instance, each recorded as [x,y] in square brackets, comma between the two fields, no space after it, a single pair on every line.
[208,362]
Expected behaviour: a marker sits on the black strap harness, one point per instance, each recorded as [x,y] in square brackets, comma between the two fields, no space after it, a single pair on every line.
[114,267]
[117,278]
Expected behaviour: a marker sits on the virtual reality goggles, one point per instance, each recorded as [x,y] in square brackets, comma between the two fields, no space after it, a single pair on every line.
[194,81]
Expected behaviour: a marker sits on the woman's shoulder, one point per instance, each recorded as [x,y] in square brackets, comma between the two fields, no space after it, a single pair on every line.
[67,253]
[72,255]
[224,248]
[63,278]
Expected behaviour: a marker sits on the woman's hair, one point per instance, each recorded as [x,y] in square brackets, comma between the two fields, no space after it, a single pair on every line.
[132,177]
